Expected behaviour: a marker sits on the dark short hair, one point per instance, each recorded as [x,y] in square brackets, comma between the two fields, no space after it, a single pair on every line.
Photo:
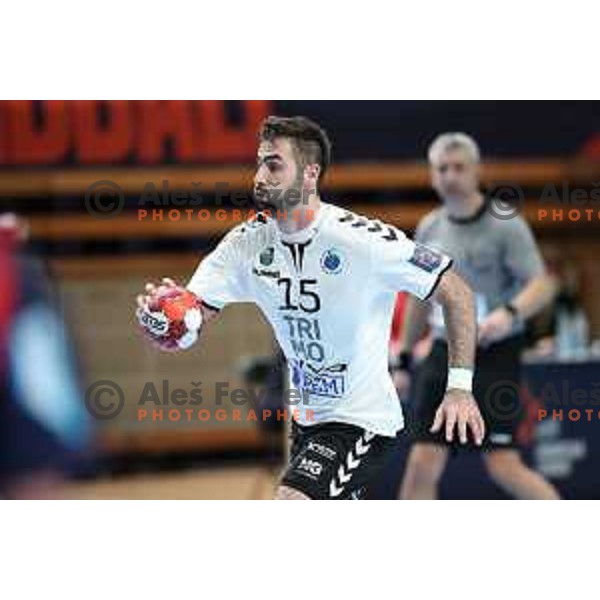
[309,139]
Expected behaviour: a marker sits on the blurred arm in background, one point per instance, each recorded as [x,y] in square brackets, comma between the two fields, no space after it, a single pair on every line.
[414,327]
[524,260]
[43,425]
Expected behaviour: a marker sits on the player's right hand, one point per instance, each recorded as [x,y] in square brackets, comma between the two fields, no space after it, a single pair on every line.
[151,289]
[459,410]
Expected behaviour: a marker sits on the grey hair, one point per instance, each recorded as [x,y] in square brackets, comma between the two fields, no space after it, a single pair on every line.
[452,140]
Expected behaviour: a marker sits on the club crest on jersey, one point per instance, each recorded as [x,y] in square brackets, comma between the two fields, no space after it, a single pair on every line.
[332,261]
[425,258]
[266,256]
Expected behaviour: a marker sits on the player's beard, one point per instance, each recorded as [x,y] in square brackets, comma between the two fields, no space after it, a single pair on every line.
[278,199]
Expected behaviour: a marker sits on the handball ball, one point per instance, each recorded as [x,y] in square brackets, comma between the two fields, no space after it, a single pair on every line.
[171,319]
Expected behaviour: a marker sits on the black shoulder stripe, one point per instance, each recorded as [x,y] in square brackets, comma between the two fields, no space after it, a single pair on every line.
[437,280]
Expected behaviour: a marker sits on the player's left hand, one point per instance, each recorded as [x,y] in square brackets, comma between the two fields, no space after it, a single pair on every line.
[459,408]
[495,326]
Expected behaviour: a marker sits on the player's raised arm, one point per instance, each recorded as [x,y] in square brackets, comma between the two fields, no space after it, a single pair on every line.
[172,316]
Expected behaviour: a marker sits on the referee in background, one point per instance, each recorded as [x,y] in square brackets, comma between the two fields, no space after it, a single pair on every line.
[502,263]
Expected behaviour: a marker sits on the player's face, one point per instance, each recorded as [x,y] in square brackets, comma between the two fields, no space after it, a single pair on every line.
[454,175]
[277,174]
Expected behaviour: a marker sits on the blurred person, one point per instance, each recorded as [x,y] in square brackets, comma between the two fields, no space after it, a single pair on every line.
[268,378]
[502,263]
[43,427]
[422,347]
[571,326]
[327,282]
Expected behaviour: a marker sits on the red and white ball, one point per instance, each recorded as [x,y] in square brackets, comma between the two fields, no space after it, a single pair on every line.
[171,319]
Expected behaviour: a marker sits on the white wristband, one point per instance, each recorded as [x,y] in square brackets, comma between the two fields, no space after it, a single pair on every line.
[460,379]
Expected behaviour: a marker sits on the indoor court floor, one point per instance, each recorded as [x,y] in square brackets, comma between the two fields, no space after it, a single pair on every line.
[232,483]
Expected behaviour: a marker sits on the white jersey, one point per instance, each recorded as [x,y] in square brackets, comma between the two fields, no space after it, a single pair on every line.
[329,293]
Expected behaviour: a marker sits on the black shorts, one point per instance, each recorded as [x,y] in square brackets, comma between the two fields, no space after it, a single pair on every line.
[495,387]
[335,461]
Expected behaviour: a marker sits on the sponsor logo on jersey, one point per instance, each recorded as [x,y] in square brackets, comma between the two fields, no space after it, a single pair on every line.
[332,261]
[266,256]
[327,382]
[425,258]
[266,273]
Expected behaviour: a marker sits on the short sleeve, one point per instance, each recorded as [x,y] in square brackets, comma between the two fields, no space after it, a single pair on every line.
[220,278]
[401,264]
[523,257]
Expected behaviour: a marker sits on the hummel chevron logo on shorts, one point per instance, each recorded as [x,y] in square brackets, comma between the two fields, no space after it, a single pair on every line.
[353,460]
